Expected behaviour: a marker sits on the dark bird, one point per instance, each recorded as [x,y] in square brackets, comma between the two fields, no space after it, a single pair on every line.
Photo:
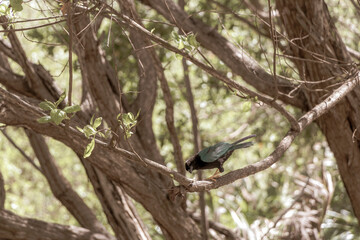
[215,156]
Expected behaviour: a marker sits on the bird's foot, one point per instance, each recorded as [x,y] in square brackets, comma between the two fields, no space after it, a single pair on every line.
[216,175]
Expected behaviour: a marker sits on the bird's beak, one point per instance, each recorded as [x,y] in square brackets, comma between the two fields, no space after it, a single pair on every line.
[190,169]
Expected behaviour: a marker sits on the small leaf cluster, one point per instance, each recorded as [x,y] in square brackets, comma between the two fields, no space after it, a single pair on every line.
[16,5]
[9,7]
[187,42]
[127,122]
[57,115]
[90,131]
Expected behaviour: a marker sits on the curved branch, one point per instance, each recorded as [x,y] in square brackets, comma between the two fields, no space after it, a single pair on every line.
[30,113]
[229,82]
[61,187]
[236,58]
[2,191]
[114,162]
[15,227]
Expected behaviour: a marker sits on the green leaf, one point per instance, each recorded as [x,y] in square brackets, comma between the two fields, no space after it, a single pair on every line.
[57,115]
[16,5]
[92,120]
[89,148]
[175,35]
[246,106]
[72,109]
[192,40]
[101,134]
[128,134]
[3,8]
[138,113]
[89,131]
[131,116]
[80,129]
[152,30]
[107,133]
[47,106]
[178,56]
[125,119]
[181,44]
[61,98]
[44,119]
[97,122]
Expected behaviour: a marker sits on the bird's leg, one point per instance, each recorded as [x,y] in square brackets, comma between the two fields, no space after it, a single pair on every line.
[214,176]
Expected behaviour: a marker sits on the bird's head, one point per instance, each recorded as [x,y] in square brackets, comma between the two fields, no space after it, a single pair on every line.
[189,164]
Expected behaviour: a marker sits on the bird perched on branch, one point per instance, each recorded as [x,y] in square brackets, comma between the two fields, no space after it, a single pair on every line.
[215,156]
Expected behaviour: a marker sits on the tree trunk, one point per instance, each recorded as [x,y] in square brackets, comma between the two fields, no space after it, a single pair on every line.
[322,59]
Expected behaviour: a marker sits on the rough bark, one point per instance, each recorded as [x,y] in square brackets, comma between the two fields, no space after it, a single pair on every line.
[152,192]
[147,86]
[139,182]
[18,228]
[322,55]
[122,218]
[2,191]
[236,58]
[61,188]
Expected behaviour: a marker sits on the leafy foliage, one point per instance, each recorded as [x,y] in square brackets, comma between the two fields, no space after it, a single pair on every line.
[250,205]
[57,115]
[127,122]
[90,131]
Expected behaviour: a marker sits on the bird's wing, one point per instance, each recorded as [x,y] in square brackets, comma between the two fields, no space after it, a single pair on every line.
[211,154]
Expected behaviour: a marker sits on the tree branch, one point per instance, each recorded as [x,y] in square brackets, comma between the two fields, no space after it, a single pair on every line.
[30,113]
[2,191]
[114,162]
[61,188]
[228,233]
[230,83]
[15,227]
[21,151]
[236,58]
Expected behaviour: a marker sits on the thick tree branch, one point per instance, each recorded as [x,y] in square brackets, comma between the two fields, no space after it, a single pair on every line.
[236,58]
[285,143]
[15,227]
[107,161]
[2,191]
[197,145]
[21,151]
[114,162]
[123,220]
[61,188]
[34,81]
[229,82]
[147,87]
[228,233]
[170,122]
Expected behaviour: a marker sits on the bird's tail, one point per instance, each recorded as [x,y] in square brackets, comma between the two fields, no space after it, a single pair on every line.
[238,144]
[242,145]
[243,139]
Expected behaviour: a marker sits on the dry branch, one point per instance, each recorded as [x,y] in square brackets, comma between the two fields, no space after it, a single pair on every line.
[15,227]
[61,187]
[9,100]
[229,82]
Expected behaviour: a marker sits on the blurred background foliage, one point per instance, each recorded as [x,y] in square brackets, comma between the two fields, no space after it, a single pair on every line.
[250,205]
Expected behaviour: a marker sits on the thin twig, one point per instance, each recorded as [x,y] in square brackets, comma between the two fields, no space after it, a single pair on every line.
[190,185]
[197,144]
[21,151]
[273,39]
[30,28]
[229,82]
[69,21]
